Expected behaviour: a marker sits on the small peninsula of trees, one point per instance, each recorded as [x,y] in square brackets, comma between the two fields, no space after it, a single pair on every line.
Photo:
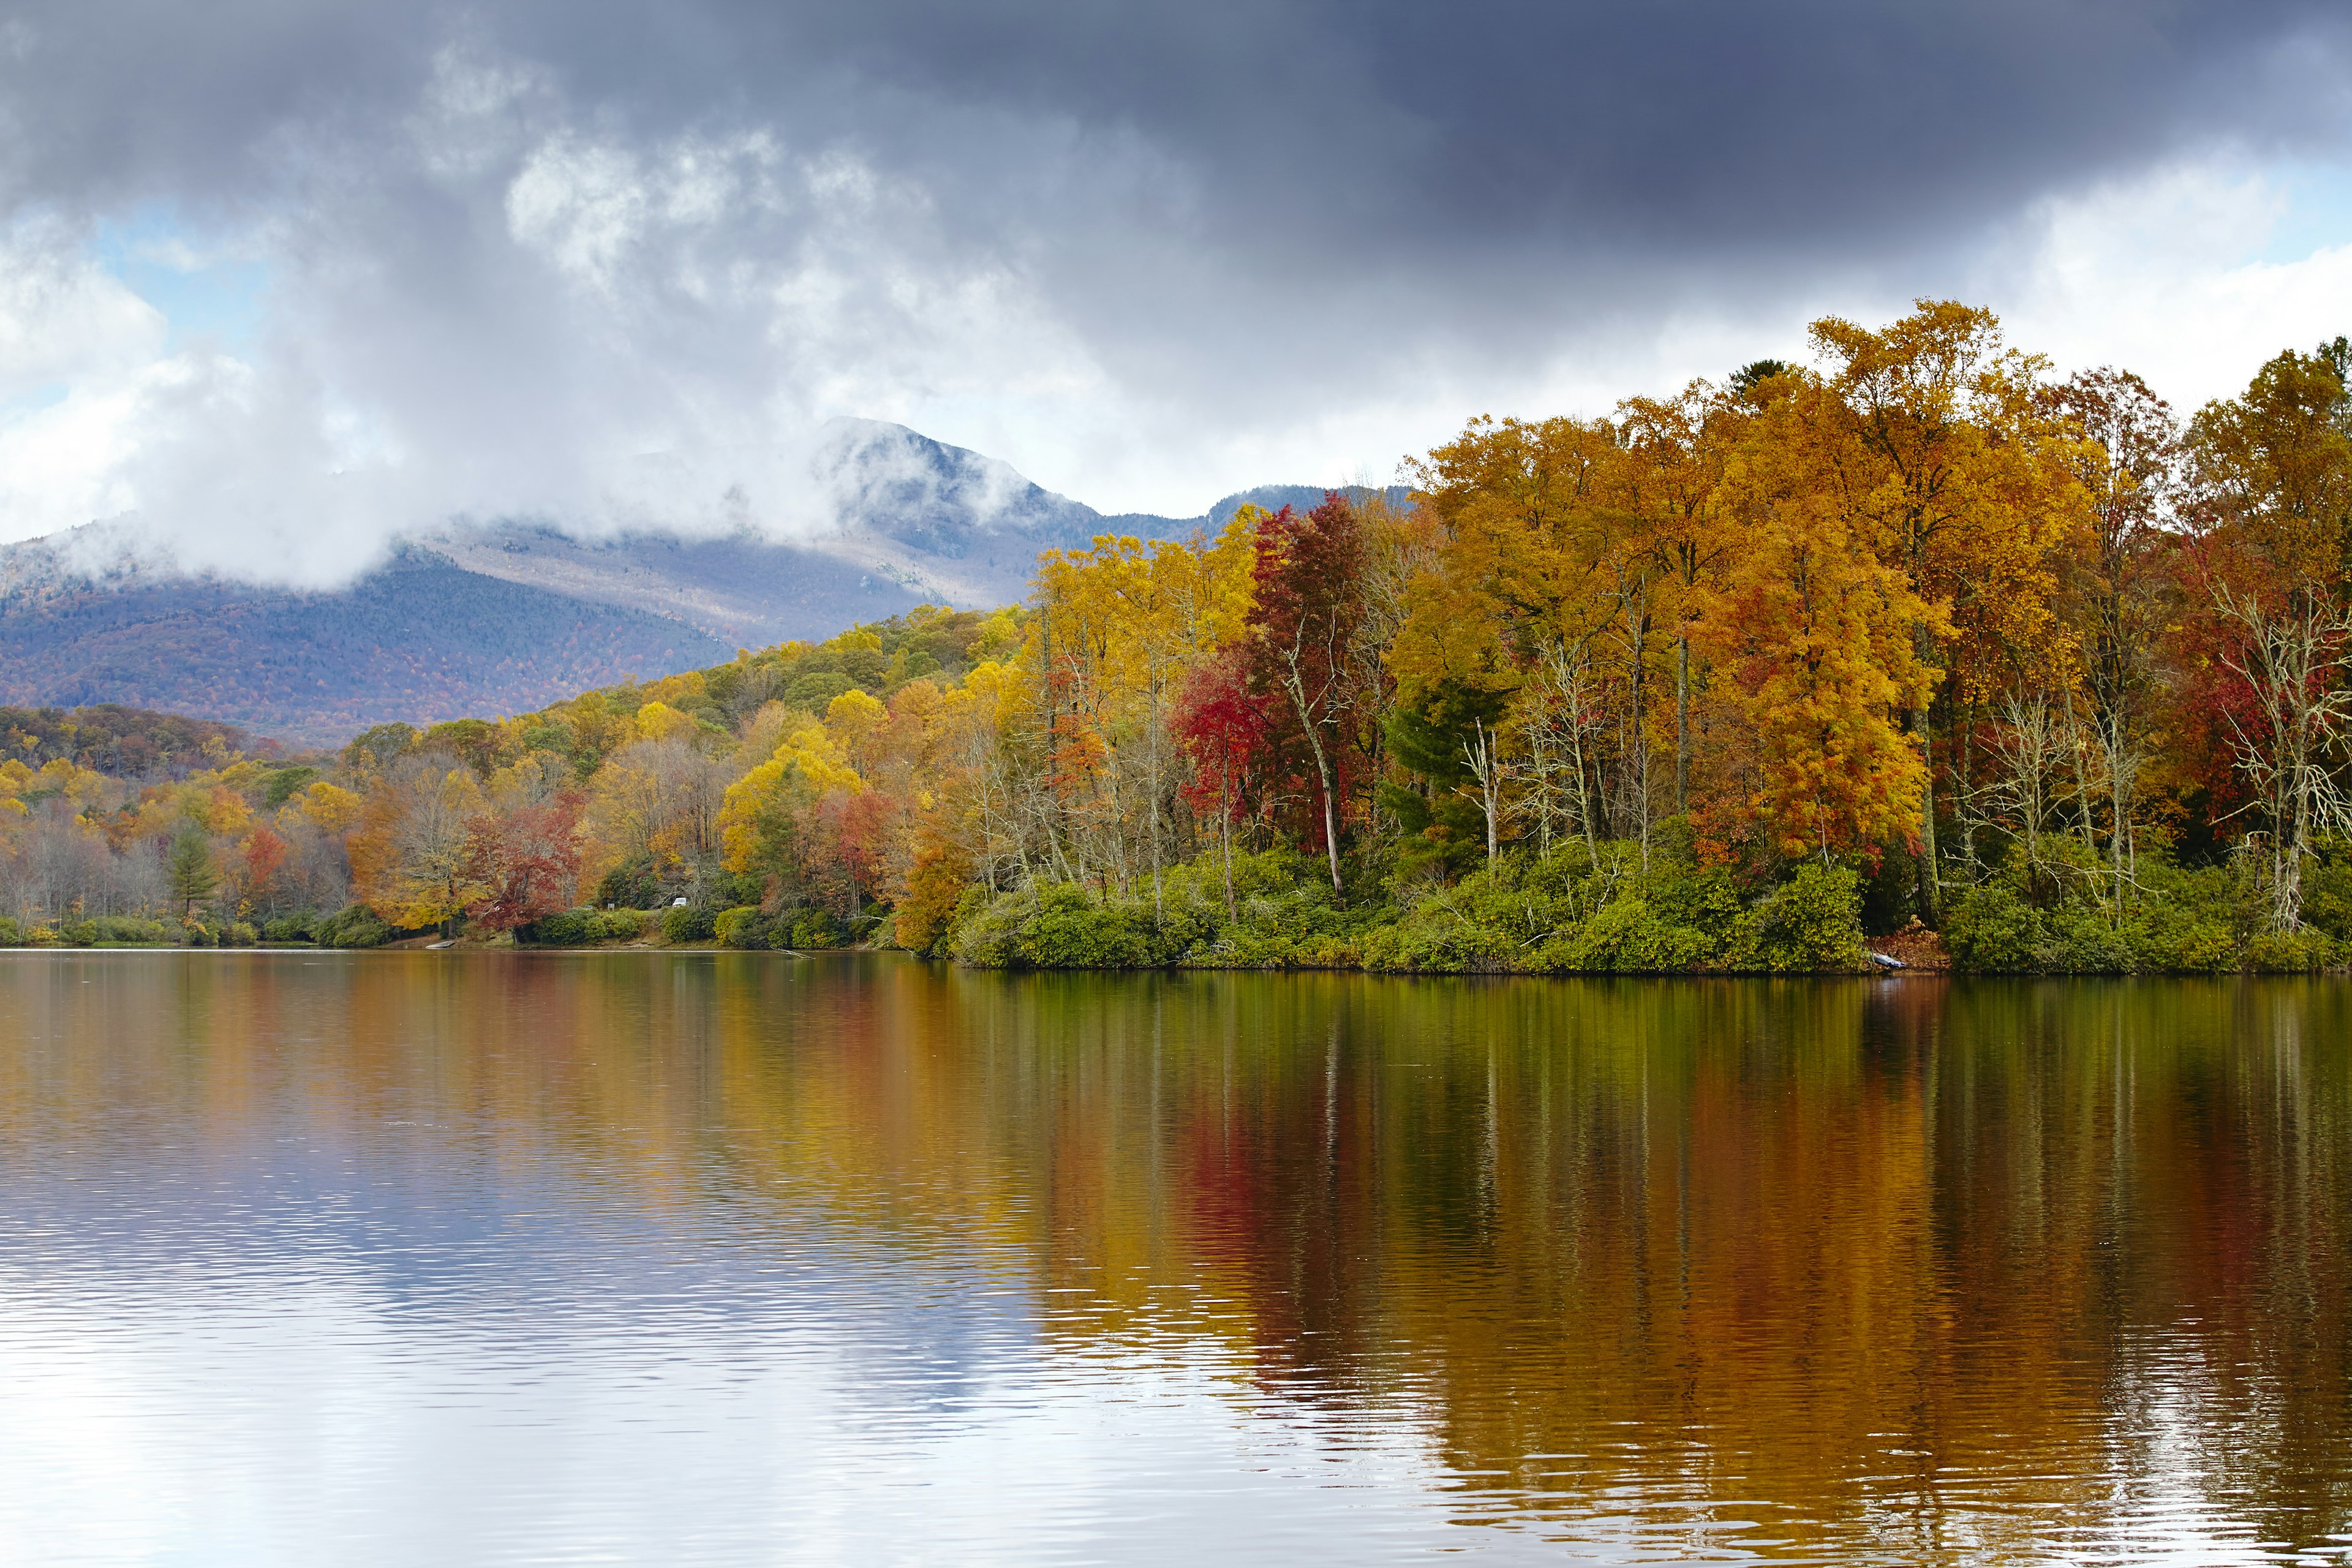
[1917,641]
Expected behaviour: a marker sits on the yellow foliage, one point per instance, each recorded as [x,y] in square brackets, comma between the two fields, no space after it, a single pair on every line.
[807,766]
[411,854]
[328,808]
[661,722]
[852,717]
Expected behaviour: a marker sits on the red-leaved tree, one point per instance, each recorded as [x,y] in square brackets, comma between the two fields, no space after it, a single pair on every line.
[1303,629]
[527,859]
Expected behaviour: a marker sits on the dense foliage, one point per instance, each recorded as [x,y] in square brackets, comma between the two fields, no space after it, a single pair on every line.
[1918,640]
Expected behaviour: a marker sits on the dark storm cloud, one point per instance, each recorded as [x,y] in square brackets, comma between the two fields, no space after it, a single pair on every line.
[1669,125]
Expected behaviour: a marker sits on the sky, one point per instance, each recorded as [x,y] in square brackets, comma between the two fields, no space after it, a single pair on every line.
[281,280]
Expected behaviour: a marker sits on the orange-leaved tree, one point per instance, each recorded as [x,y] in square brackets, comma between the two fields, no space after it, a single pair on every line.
[1817,644]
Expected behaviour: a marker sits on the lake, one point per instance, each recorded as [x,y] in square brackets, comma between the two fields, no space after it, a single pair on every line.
[727,1258]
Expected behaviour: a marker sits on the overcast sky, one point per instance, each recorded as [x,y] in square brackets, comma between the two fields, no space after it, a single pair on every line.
[278,278]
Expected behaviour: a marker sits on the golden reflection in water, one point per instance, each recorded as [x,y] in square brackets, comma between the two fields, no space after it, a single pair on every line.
[1932,1270]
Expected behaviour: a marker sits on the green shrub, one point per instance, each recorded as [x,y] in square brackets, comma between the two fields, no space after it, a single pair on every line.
[240,933]
[813,929]
[1991,930]
[2169,937]
[1812,922]
[2290,952]
[633,886]
[115,930]
[354,926]
[565,927]
[290,928]
[1062,927]
[618,925]
[1087,937]
[11,933]
[1631,937]
[2080,938]
[685,923]
[742,927]
[2327,889]
[196,934]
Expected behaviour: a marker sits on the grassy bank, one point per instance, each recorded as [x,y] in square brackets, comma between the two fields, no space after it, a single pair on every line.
[1610,910]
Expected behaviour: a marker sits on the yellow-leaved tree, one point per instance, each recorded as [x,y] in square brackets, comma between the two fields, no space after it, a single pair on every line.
[1816,644]
[761,821]
[411,851]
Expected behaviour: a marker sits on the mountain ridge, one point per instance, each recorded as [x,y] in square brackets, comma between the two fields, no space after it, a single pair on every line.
[506,617]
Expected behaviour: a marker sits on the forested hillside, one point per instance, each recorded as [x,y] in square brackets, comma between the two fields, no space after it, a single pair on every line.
[421,638]
[1919,645]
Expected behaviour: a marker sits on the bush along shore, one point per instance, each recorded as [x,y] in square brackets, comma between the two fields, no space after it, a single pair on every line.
[1601,911]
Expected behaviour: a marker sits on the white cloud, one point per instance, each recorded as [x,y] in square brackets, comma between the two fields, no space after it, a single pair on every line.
[2166,276]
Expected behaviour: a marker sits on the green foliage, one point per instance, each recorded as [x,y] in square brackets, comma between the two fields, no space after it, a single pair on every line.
[619,925]
[118,931]
[240,933]
[1812,922]
[354,926]
[476,740]
[811,692]
[2175,920]
[1991,930]
[816,929]
[632,887]
[11,933]
[2290,952]
[302,927]
[565,927]
[191,872]
[285,784]
[742,927]
[196,934]
[1570,913]
[376,747]
[686,923]
[1061,927]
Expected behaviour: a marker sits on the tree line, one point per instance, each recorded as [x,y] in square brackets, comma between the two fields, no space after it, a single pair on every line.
[1916,639]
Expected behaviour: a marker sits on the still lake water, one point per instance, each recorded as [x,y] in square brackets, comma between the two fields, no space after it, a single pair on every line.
[409,1258]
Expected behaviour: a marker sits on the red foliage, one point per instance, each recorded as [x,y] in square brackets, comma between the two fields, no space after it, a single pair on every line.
[1302,656]
[529,861]
[1232,736]
[258,867]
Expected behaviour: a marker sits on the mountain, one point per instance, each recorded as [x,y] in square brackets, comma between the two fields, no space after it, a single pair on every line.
[504,617]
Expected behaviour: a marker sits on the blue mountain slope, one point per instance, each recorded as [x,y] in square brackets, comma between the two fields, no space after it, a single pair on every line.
[420,640]
[499,619]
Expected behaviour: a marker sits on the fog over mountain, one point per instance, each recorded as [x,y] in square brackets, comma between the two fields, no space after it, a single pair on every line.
[501,616]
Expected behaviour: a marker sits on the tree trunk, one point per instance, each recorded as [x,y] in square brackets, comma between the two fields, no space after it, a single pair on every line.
[1930,892]
[1682,724]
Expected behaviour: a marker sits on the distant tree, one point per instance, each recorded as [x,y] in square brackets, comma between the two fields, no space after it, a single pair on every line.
[1754,375]
[373,750]
[193,876]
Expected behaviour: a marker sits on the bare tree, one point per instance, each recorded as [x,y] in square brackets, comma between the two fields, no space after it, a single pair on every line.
[2292,659]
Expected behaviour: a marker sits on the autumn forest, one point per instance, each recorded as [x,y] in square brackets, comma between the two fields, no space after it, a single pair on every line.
[1916,647]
